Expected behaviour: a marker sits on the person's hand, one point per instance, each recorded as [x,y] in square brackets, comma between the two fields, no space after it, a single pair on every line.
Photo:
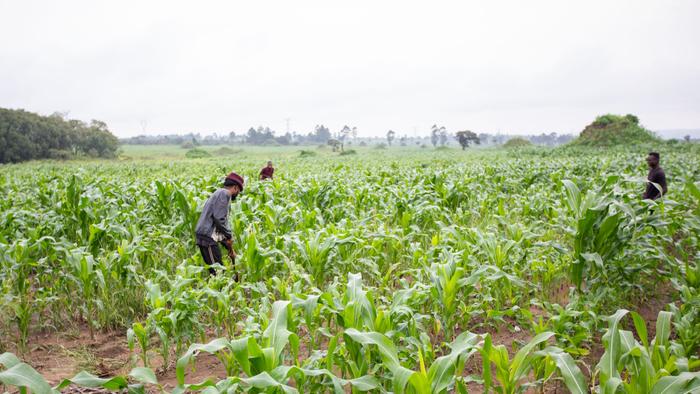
[231,254]
[229,244]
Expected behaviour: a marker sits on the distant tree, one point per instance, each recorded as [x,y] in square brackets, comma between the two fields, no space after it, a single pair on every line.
[687,138]
[335,144]
[27,136]
[354,133]
[320,135]
[443,136]
[402,140]
[344,133]
[467,137]
[434,135]
[259,136]
[390,136]
[285,139]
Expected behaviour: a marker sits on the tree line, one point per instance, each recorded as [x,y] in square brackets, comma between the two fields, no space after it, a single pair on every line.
[263,135]
[28,136]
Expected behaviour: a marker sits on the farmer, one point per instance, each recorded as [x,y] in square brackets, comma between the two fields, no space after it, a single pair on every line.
[212,226]
[267,171]
[656,175]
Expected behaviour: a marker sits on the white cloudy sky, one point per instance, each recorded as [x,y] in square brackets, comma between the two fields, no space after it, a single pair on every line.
[488,66]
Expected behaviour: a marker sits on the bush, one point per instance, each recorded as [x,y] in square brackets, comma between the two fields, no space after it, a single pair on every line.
[197,153]
[362,143]
[517,142]
[610,130]
[306,153]
[442,147]
[187,145]
[348,152]
[380,146]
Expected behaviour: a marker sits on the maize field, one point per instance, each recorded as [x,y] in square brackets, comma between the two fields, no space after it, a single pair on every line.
[389,271]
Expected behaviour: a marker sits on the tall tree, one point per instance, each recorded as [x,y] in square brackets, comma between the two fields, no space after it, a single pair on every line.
[443,136]
[28,136]
[434,135]
[344,133]
[321,134]
[390,136]
[467,137]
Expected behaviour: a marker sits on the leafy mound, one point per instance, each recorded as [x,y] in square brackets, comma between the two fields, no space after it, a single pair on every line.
[611,130]
[517,142]
[197,153]
[306,153]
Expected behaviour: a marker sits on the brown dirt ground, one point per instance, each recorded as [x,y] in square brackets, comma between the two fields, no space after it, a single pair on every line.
[60,355]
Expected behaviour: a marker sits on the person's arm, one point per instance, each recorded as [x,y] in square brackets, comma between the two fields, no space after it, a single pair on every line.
[662,182]
[219,216]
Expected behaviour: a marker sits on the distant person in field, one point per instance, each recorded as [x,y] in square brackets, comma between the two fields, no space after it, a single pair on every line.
[212,226]
[267,171]
[656,175]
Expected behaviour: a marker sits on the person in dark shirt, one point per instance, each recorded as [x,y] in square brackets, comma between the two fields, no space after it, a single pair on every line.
[656,175]
[212,226]
[267,172]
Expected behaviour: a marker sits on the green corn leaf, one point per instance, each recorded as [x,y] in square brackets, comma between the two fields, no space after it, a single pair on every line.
[663,329]
[573,377]
[686,382]
[485,351]
[23,376]
[85,379]
[143,375]
[9,360]
[211,347]
[641,328]
[442,371]
[239,347]
[520,366]
[573,196]
[608,362]
[277,333]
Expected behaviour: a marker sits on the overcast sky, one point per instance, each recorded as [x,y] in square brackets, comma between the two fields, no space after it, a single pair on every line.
[488,66]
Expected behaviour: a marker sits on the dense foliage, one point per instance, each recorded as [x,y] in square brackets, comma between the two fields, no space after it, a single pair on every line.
[28,136]
[517,142]
[611,130]
[381,271]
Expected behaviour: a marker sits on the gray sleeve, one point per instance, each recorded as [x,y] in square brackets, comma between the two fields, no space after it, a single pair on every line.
[219,212]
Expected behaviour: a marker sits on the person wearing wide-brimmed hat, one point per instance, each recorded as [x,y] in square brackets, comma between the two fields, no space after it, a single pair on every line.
[212,226]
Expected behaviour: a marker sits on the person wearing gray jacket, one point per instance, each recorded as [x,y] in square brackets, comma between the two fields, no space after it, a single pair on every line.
[212,226]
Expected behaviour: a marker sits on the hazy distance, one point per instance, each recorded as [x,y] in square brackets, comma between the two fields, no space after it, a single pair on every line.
[505,66]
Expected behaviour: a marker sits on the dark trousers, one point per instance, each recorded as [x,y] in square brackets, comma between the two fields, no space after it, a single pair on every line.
[211,255]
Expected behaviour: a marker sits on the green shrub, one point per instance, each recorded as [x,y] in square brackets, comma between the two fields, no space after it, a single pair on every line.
[306,153]
[197,153]
[610,130]
[517,142]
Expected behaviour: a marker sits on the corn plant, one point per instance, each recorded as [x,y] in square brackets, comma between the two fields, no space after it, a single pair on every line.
[15,373]
[437,378]
[655,366]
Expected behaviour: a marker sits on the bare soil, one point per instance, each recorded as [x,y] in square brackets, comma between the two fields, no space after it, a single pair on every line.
[61,355]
